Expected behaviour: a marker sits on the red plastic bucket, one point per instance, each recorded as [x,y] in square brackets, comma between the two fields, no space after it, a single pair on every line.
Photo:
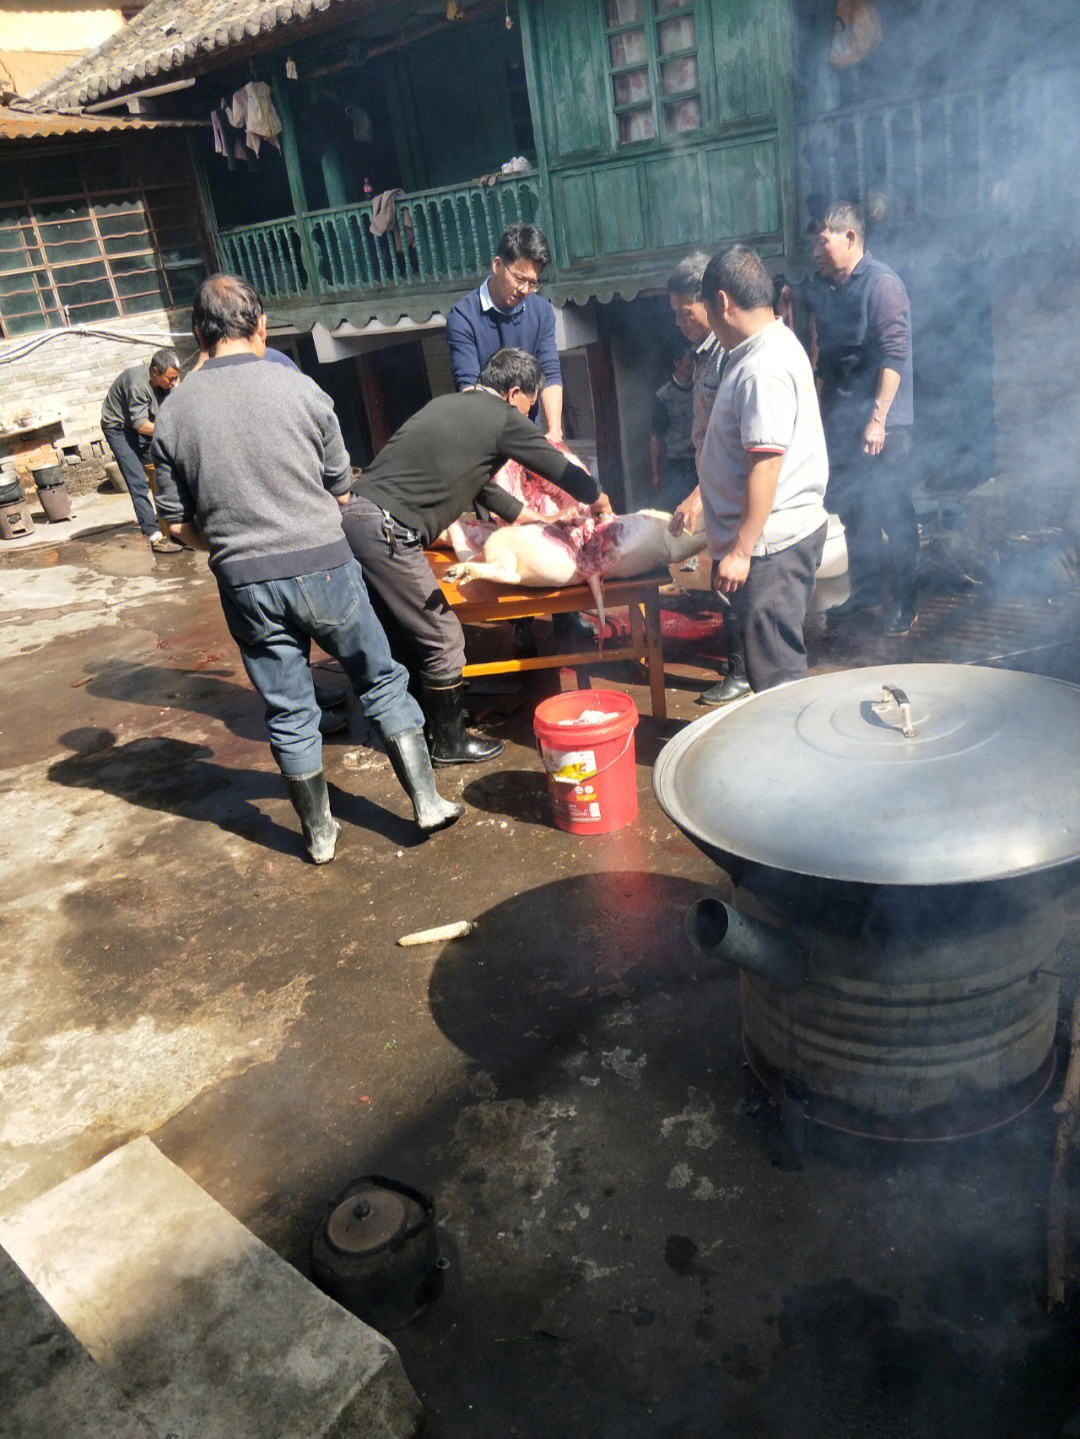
[586,740]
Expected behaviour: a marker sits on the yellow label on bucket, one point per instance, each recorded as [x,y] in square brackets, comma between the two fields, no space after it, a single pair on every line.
[571,766]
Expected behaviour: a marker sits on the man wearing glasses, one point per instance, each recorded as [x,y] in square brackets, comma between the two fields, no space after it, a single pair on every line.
[507,313]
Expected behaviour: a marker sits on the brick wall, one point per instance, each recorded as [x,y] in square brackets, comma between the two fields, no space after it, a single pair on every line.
[68,374]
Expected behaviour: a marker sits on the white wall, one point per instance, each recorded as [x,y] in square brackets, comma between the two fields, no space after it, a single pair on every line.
[67,372]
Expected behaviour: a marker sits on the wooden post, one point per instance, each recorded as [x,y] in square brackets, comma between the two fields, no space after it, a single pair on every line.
[291,155]
[374,397]
[605,406]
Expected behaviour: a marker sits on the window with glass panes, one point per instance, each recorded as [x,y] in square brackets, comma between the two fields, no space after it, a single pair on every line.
[652,57]
[94,232]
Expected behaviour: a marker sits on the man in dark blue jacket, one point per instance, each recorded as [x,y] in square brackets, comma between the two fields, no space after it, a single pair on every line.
[862,323]
[507,312]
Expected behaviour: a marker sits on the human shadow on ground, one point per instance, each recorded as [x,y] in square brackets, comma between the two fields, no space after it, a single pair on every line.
[180,777]
[208,691]
[540,963]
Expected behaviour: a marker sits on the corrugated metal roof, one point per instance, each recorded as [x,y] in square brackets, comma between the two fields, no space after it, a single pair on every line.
[169,34]
[18,125]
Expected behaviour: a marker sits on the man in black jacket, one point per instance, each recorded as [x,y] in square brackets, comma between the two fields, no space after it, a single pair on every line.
[439,464]
[862,325]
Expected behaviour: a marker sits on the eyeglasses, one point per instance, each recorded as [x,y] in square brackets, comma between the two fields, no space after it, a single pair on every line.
[523,282]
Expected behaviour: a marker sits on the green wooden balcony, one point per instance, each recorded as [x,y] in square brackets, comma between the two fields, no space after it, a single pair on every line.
[333,252]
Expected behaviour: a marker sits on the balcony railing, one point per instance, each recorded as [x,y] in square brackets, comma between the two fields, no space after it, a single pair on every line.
[1000,148]
[333,252]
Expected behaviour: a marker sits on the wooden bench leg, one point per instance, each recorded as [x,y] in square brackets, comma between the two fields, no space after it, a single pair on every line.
[645,635]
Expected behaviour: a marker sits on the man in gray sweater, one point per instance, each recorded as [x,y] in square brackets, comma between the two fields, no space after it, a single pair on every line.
[250,462]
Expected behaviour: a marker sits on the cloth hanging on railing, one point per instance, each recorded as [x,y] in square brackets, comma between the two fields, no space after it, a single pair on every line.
[387,220]
[252,110]
[225,140]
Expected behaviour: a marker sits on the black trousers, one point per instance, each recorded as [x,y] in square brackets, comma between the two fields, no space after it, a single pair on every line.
[423,631]
[871,494]
[770,609]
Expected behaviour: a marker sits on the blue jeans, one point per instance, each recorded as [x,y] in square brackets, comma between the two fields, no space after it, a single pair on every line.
[274,622]
[129,448]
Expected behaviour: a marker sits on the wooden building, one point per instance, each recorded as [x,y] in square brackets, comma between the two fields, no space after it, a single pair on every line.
[630,131]
[637,128]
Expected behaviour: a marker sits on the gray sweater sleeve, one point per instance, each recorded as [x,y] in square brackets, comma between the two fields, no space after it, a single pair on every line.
[337,467]
[174,500]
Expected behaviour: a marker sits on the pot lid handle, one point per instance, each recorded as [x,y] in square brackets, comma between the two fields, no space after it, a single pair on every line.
[892,694]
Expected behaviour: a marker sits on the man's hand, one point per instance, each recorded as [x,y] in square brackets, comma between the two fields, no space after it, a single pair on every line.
[687,516]
[731,572]
[186,532]
[554,437]
[874,437]
[569,516]
[344,499]
[601,507]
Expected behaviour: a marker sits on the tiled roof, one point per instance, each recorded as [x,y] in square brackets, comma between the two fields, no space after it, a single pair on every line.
[19,125]
[166,35]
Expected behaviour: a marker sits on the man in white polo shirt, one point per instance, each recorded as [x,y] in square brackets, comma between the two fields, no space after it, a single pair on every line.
[763,470]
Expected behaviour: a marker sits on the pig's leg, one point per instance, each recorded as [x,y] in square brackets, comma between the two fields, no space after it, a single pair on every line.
[482,570]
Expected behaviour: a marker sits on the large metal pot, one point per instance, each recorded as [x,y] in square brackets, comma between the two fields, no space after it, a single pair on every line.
[900,840]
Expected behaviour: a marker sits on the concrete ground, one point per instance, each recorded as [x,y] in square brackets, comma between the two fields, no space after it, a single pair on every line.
[633,1246]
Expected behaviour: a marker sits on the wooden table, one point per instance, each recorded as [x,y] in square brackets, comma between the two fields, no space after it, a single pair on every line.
[481,602]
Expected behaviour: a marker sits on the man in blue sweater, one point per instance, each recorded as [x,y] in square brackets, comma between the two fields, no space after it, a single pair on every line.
[506,312]
[251,467]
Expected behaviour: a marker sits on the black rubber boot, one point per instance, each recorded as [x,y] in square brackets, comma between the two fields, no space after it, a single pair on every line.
[442,699]
[312,803]
[855,606]
[412,764]
[523,641]
[734,685]
[901,619]
[570,631]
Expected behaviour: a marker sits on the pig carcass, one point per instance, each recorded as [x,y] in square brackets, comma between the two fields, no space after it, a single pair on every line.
[578,549]
[584,551]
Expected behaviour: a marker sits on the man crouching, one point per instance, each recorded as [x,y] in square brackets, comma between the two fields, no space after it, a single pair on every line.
[249,459]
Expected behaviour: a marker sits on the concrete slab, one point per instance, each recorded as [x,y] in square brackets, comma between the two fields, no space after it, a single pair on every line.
[204,1328]
[49,1382]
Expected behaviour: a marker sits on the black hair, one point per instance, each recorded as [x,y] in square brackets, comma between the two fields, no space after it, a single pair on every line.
[685,279]
[513,369]
[524,242]
[841,216]
[741,274]
[225,308]
[166,359]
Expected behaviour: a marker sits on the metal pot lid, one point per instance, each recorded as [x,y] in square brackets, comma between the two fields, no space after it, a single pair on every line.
[367,1221]
[820,778]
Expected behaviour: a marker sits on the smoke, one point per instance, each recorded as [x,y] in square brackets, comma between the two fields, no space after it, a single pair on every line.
[957,131]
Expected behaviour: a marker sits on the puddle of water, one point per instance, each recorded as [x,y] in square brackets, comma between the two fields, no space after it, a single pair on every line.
[107,552]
